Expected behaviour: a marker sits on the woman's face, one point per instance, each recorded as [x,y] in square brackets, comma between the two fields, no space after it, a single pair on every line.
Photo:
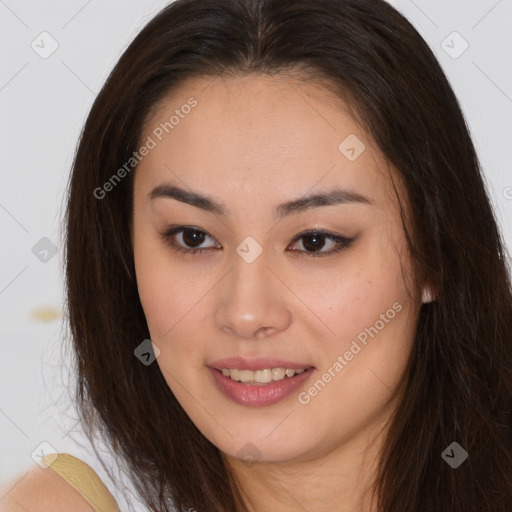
[264,296]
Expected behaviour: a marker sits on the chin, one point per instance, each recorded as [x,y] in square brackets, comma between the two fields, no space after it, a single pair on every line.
[261,441]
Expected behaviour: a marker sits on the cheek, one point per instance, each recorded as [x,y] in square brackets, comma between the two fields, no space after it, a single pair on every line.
[175,303]
[167,298]
[168,314]
[365,287]
[375,326]
[157,284]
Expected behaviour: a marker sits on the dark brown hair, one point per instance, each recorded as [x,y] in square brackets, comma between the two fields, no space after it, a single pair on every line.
[458,382]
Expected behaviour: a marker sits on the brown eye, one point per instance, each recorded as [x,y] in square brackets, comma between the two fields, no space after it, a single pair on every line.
[192,237]
[186,239]
[314,241]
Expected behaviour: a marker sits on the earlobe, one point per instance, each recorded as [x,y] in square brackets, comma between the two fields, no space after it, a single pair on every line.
[428,295]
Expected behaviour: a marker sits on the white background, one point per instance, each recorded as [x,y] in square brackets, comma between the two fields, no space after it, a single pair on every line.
[43,104]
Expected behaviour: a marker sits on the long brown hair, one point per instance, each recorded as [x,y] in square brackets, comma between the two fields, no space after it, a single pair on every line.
[459,377]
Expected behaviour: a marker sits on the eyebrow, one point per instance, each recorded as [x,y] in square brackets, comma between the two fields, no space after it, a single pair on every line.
[333,197]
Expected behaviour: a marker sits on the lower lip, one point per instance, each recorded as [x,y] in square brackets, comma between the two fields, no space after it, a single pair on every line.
[258,395]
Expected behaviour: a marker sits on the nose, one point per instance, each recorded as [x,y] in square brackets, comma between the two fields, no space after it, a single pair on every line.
[253,303]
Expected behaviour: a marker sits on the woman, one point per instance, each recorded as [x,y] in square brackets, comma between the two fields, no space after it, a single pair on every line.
[286,285]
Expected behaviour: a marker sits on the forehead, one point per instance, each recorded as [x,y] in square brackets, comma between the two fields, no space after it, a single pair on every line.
[261,134]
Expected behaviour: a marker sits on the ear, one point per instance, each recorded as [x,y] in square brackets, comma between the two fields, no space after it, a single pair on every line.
[427,295]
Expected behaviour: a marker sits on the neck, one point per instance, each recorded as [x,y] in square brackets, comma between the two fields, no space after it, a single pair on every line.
[339,479]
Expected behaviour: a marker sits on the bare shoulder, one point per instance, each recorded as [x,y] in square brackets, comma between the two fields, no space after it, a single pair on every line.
[41,490]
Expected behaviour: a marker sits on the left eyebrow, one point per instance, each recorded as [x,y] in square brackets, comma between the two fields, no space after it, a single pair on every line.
[330,198]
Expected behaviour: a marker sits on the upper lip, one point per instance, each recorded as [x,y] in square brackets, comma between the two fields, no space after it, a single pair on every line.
[259,363]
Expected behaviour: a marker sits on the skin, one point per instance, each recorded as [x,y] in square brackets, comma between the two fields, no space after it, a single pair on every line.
[41,490]
[251,143]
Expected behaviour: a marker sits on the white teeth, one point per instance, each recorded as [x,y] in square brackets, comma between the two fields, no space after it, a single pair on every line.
[246,375]
[278,373]
[261,376]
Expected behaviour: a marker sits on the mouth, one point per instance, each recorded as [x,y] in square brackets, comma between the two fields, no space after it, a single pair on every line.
[258,382]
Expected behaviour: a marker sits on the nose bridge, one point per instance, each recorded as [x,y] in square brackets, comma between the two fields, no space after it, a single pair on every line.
[250,299]
[250,271]
[249,283]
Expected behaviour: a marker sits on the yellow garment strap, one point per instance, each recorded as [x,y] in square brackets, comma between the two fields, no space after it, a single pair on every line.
[84,479]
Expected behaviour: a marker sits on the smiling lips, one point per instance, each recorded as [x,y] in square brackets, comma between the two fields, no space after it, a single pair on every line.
[258,382]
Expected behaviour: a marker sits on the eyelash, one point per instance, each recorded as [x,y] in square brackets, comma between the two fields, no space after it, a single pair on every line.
[341,242]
